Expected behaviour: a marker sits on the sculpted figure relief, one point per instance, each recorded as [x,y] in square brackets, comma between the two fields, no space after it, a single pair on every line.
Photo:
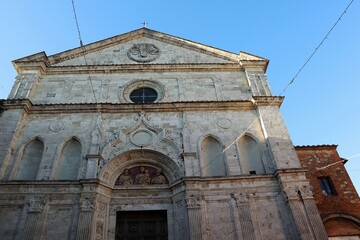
[141,176]
[159,178]
[125,178]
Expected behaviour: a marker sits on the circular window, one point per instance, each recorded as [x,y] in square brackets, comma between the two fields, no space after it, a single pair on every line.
[142,91]
[143,95]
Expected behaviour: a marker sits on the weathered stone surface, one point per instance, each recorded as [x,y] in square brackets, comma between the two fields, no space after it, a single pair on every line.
[204,95]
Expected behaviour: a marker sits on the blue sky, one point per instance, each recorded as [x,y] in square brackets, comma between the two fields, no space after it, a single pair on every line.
[321,107]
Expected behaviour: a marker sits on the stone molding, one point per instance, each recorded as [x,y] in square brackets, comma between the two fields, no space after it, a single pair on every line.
[31,108]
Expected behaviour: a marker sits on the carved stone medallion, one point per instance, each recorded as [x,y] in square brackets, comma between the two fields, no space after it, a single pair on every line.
[142,138]
[143,52]
[224,123]
[57,126]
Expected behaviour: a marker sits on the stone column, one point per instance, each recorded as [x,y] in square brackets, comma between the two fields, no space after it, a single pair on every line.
[193,206]
[307,220]
[32,230]
[243,206]
[85,218]
[312,212]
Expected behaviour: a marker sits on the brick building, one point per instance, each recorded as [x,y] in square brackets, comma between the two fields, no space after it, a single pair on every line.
[335,196]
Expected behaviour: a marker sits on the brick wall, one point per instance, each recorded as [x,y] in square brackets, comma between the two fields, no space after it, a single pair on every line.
[324,161]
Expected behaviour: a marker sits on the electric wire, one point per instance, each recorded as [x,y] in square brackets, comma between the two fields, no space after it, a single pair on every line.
[258,117]
[282,92]
[84,52]
[317,48]
[77,24]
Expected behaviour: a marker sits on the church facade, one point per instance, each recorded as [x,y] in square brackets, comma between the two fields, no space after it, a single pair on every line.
[149,136]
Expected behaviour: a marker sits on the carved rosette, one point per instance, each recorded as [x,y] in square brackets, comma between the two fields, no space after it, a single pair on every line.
[143,52]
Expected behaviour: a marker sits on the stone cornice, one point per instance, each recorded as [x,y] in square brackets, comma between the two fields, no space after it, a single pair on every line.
[128,68]
[41,62]
[31,108]
[268,100]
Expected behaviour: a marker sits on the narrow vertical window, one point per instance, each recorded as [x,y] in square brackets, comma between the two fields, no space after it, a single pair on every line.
[213,157]
[30,161]
[327,186]
[250,156]
[70,160]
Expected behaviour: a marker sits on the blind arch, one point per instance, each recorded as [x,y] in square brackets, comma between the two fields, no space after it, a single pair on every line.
[250,155]
[70,160]
[30,160]
[213,160]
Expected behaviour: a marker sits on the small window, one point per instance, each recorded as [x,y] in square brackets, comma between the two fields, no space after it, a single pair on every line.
[327,186]
[143,95]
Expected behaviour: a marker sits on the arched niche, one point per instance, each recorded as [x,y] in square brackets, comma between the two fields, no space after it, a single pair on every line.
[70,160]
[212,157]
[30,160]
[135,158]
[250,155]
[341,224]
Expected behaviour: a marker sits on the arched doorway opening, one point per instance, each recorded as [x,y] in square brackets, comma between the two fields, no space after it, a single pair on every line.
[144,199]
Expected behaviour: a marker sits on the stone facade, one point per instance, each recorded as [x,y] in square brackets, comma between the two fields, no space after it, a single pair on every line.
[334,193]
[70,130]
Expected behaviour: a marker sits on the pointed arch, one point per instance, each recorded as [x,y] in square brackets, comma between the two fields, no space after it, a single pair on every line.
[250,155]
[212,157]
[70,160]
[30,160]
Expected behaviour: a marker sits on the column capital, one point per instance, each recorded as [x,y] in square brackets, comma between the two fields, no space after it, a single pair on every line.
[36,203]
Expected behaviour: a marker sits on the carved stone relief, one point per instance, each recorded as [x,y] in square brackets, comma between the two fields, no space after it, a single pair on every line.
[224,123]
[86,203]
[193,201]
[291,193]
[143,52]
[240,198]
[101,218]
[141,176]
[116,166]
[36,203]
[57,126]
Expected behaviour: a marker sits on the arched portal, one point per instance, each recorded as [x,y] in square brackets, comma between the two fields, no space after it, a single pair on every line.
[141,200]
[139,158]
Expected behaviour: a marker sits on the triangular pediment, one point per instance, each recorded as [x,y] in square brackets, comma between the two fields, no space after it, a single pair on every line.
[139,47]
[156,47]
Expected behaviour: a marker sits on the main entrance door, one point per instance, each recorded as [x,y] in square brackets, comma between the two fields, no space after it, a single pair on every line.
[141,225]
